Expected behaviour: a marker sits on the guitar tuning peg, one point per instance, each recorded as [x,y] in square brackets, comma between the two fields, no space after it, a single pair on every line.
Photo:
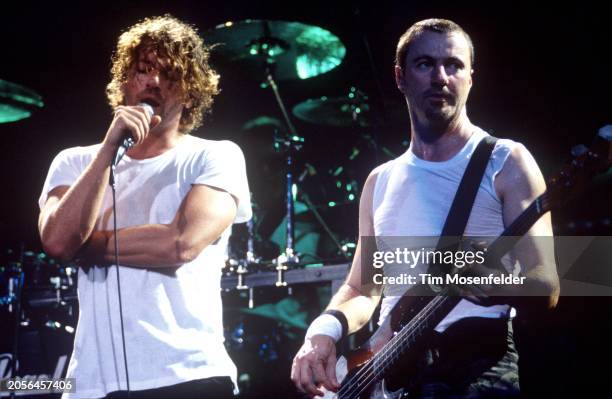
[579,149]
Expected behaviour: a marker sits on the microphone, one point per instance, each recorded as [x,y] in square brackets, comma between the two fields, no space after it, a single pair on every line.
[128,142]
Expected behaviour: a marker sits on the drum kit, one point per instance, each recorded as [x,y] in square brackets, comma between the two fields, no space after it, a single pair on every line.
[275,52]
[38,311]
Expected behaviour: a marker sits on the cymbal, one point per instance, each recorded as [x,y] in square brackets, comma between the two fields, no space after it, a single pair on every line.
[17,102]
[350,110]
[262,121]
[294,50]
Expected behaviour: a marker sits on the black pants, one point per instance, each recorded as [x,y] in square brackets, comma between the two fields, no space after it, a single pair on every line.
[208,388]
[473,358]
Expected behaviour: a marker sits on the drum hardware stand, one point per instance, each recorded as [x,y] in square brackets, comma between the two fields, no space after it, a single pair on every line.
[241,273]
[341,248]
[13,288]
[69,273]
[288,257]
[370,140]
[242,265]
[241,270]
[291,144]
[57,287]
[250,255]
[281,268]
[268,48]
[16,298]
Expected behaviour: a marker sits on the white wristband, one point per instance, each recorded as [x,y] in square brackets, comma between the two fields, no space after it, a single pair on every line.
[325,325]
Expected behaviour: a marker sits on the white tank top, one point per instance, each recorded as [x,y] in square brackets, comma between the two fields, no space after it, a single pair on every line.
[412,198]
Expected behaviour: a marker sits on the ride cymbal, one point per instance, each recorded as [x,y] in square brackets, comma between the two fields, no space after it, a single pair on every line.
[350,110]
[292,49]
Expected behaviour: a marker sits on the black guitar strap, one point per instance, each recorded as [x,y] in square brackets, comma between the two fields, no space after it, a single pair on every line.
[460,210]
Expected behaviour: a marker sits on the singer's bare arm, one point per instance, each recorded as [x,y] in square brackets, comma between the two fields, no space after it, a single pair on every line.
[69,214]
[203,215]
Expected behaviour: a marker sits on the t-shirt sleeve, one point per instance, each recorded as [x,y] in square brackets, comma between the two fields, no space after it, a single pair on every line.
[224,168]
[64,171]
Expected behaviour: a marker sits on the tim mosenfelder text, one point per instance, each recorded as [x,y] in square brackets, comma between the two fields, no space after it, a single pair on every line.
[459,259]
[448,279]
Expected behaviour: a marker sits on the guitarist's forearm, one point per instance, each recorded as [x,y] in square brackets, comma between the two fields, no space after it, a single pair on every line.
[536,295]
[357,308]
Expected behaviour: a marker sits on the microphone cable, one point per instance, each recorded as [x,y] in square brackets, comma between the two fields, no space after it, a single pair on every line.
[113,189]
[128,142]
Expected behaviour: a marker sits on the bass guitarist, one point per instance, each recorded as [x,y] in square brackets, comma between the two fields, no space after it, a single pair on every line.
[472,352]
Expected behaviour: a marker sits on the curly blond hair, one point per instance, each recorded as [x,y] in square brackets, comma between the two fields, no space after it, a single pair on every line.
[188,64]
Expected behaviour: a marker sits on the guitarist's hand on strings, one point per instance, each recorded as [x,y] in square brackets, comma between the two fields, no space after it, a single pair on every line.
[314,366]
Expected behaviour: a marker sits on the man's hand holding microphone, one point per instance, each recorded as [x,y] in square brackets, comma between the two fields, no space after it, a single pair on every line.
[130,126]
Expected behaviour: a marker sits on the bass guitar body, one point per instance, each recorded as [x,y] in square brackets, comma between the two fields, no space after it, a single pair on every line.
[393,351]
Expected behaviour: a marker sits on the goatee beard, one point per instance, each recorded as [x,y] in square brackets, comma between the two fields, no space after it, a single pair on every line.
[437,125]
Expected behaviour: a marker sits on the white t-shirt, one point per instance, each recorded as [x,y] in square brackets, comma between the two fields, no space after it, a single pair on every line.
[412,198]
[172,316]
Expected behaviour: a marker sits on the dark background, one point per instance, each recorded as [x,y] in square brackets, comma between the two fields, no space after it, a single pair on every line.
[542,77]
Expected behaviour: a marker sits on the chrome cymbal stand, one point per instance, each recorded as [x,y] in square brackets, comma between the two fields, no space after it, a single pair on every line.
[268,48]
[289,257]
